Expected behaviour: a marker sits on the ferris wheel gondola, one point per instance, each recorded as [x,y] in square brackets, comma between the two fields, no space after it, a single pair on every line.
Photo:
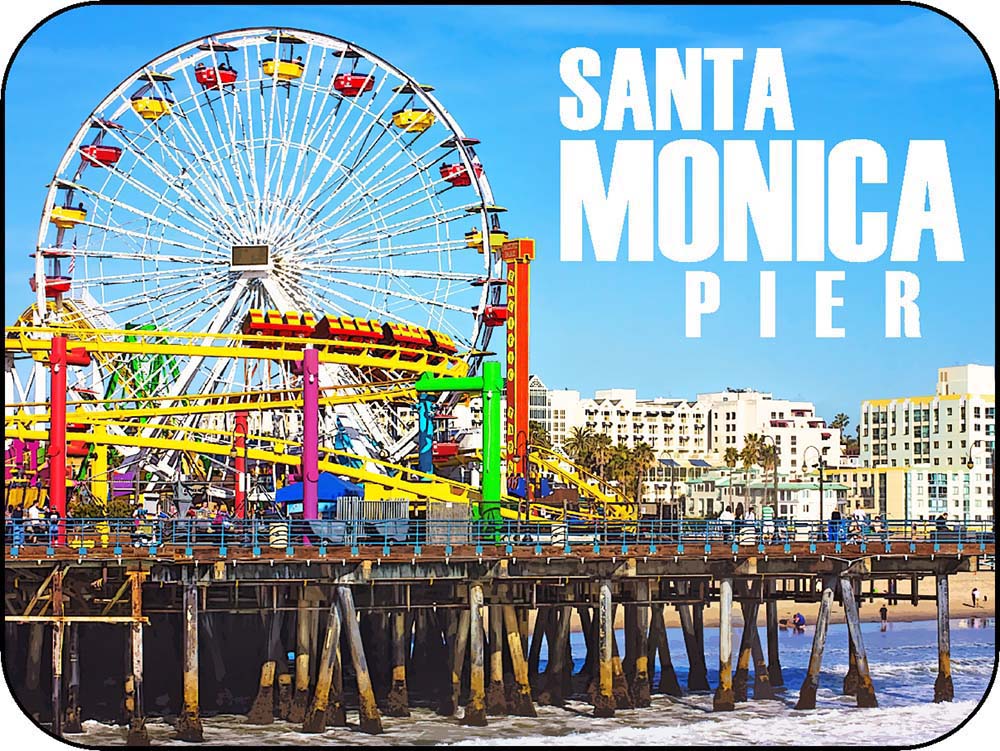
[292,187]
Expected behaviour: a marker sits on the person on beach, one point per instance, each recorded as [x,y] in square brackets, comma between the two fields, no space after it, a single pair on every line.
[975,597]
[884,615]
[799,621]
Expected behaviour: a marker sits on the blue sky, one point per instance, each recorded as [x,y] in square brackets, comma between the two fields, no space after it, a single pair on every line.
[887,73]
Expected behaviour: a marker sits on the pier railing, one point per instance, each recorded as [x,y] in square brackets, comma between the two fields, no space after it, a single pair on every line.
[104,536]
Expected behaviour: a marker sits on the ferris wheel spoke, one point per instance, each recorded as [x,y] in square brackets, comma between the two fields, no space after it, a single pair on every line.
[384,213]
[351,138]
[412,169]
[147,216]
[301,293]
[143,236]
[405,227]
[452,276]
[208,187]
[362,253]
[387,291]
[140,155]
[231,163]
[307,143]
[324,291]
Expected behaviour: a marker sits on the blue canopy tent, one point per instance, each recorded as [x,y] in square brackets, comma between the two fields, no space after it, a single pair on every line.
[329,489]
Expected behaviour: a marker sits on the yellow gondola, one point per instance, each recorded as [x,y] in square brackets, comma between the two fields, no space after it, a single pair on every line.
[67,217]
[151,107]
[413,120]
[474,239]
[287,70]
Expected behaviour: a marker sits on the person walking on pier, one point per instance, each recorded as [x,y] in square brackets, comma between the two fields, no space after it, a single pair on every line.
[726,519]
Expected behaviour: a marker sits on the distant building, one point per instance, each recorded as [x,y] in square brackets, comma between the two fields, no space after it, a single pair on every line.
[945,442]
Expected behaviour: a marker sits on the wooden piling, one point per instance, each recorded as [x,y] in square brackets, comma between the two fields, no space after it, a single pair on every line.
[189,721]
[761,675]
[640,688]
[851,678]
[370,720]
[57,654]
[773,657]
[742,675]
[520,700]
[697,670]
[460,646]
[398,702]
[604,702]
[33,667]
[865,689]
[316,715]
[137,734]
[475,710]
[496,701]
[724,701]
[944,690]
[540,631]
[619,684]
[807,694]
[71,721]
[698,617]
[303,628]
[552,689]
[262,710]
[658,645]
[284,695]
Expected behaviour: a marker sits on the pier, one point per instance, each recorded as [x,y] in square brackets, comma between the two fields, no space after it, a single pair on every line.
[379,626]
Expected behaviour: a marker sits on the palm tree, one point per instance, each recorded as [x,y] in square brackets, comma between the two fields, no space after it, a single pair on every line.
[600,453]
[841,421]
[643,459]
[579,445]
[538,435]
[731,458]
[752,445]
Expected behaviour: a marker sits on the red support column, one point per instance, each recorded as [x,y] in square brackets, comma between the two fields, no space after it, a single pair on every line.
[240,494]
[518,255]
[57,432]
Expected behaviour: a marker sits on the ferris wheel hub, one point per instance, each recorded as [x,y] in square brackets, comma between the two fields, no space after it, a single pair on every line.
[250,258]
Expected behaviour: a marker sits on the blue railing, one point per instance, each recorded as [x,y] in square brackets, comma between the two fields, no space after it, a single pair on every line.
[103,536]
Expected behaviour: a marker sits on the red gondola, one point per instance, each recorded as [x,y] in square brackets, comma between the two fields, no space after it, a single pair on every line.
[353,84]
[97,155]
[458,175]
[495,315]
[214,78]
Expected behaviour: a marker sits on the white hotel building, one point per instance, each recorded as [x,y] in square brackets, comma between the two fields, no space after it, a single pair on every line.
[688,436]
[936,438]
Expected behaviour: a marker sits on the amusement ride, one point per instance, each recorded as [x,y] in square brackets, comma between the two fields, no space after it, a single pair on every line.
[260,223]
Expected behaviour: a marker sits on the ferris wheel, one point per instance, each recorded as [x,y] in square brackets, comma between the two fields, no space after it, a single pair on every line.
[269,169]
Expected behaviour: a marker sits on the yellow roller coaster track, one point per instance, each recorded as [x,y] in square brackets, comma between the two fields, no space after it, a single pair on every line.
[36,340]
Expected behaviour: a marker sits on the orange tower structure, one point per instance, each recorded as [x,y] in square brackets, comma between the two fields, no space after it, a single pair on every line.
[518,255]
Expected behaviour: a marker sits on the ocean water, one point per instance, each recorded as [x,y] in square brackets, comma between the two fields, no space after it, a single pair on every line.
[903,661]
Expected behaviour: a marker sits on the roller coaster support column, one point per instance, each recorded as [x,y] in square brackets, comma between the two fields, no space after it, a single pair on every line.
[425,439]
[518,254]
[59,358]
[240,492]
[490,385]
[310,433]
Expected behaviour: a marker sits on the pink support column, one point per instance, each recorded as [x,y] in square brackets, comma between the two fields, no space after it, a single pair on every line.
[57,433]
[239,495]
[310,434]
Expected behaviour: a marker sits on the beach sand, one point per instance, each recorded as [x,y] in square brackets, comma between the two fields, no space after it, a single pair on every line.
[960,603]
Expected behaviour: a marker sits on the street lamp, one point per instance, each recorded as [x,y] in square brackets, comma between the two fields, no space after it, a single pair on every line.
[765,437]
[821,465]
